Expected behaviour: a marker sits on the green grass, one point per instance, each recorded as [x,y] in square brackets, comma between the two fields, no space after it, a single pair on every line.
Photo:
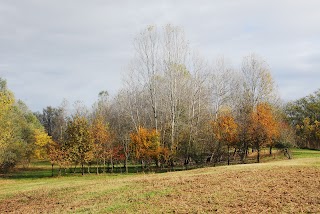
[305,153]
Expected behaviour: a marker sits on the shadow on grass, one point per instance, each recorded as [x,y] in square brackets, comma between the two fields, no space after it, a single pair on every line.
[27,173]
[42,169]
[38,173]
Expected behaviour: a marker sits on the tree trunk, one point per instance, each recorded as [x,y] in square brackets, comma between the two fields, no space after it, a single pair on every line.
[228,155]
[270,151]
[258,156]
[126,163]
[211,157]
[97,168]
[52,169]
[111,162]
[82,170]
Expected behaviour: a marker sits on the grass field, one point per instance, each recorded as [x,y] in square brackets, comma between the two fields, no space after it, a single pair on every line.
[281,186]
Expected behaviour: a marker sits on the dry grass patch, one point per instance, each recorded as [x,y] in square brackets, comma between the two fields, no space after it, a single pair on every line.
[290,186]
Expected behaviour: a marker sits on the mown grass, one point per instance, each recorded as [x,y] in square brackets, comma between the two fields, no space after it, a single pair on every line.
[305,153]
[284,186]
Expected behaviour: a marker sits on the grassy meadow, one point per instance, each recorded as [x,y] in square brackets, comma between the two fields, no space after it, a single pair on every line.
[278,185]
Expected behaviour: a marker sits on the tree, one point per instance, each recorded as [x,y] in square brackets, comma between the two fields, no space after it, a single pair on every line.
[7,136]
[258,84]
[304,116]
[223,84]
[226,131]
[145,145]
[121,124]
[287,136]
[147,65]
[54,121]
[29,131]
[263,128]
[257,88]
[42,141]
[79,140]
[175,50]
[20,131]
[102,147]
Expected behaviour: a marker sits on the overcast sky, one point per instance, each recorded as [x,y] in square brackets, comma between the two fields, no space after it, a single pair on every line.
[51,50]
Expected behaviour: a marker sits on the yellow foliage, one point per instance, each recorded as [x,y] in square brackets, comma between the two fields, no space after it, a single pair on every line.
[42,140]
[6,125]
[102,146]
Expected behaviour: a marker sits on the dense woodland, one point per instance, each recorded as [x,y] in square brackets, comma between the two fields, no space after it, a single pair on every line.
[174,108]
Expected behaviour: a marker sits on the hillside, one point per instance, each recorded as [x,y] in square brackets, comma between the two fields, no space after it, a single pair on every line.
[286,186]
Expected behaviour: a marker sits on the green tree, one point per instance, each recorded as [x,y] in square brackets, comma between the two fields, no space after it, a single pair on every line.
[20,131]
[304,116]
[7,138]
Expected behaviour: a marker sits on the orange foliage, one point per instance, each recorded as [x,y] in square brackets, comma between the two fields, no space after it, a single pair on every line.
[225,129]
[264,127]
[58,155]
[102,147]
[146,144]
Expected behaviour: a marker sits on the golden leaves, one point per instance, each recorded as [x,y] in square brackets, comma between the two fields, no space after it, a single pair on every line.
[264,127]
[145,143]
[225,129]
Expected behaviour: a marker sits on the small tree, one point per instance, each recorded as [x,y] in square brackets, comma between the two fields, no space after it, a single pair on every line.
[145,145]
[226,131]
[102,147]
[263,128]
[79,140]
[42,141]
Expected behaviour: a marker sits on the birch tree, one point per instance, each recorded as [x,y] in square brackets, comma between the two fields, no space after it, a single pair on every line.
[258,87]
[147,65]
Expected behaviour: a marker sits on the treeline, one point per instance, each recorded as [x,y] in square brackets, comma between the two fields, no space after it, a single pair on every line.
[173,109]
[22,136]
[304,116]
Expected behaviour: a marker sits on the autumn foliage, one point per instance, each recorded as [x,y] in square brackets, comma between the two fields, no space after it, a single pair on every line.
[225,130]
[264,128]
[22,137]
[145,145]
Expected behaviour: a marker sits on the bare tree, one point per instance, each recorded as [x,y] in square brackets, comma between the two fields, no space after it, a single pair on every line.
[175,54]
[223,84]
[258,84]
[147,64]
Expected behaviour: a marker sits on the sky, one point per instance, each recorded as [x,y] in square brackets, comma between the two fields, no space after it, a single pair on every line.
[55,50]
